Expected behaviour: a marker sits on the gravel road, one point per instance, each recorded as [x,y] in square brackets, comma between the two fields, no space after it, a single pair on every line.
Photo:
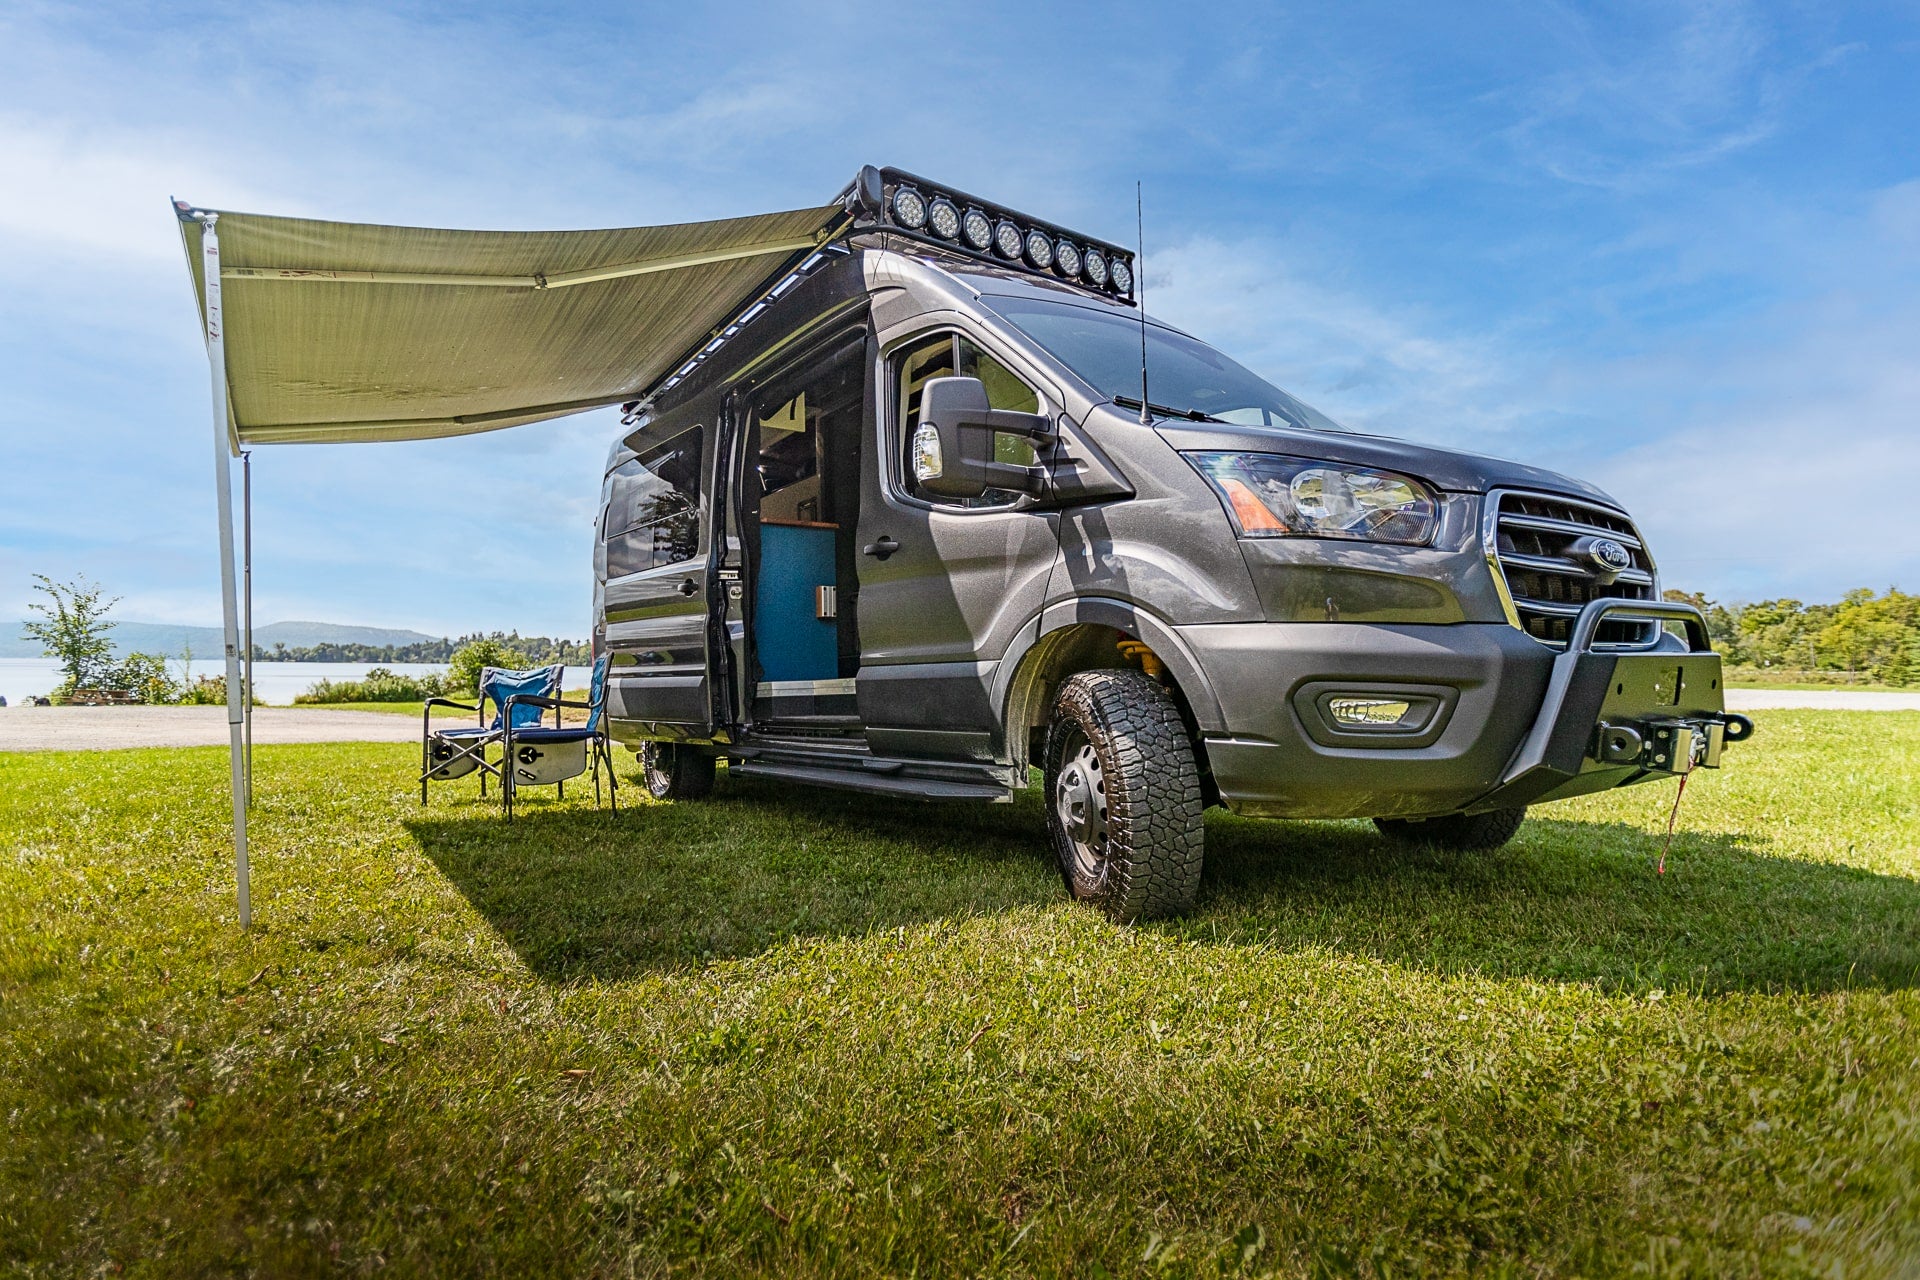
[108,728]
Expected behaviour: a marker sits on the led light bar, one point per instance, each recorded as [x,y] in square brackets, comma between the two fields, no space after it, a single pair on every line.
[958,222]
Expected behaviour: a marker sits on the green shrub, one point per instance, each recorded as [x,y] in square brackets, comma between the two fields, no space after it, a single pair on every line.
[378,685]
[463,675]
[209,691]
[146,675]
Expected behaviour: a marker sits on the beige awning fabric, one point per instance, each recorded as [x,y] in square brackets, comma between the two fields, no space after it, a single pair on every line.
[339,331]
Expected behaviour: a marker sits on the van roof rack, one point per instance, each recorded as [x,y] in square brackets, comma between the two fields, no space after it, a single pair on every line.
[944,217]
[936,214]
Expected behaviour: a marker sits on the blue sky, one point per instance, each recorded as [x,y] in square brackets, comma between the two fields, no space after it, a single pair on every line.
[1673,248]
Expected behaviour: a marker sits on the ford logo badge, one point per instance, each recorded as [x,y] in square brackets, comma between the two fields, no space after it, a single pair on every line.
[1609,556]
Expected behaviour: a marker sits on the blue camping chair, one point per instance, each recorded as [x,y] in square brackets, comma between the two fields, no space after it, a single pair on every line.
[449,753]
[539,756]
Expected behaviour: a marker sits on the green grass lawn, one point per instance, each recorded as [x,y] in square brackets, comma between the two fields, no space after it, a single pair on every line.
[797,1032]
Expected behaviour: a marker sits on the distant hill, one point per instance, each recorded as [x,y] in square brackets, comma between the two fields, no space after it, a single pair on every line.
[170,638]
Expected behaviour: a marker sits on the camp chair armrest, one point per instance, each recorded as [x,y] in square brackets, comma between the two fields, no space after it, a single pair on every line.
[534,700]
[426,712]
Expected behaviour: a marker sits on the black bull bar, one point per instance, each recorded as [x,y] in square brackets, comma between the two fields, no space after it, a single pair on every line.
[1610,718]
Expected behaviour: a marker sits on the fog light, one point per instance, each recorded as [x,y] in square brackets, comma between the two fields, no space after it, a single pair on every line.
[1369,713]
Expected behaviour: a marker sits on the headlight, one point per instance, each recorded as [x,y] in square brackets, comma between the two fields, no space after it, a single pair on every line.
[1271,496]
[1067,255]
[1122,275]
[1039,249]
[979,230]
[944,217]
[909,208]
[1095,263]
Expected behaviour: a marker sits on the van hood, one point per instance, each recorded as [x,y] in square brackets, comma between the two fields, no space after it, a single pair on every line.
[1448,469]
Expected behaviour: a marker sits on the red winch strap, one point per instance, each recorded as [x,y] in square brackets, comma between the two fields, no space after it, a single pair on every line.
[1672,818]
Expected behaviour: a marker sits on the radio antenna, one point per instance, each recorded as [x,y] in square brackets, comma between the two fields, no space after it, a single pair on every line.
[1140,290]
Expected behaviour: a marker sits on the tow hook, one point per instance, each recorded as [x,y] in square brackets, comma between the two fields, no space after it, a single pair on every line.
[1670,746]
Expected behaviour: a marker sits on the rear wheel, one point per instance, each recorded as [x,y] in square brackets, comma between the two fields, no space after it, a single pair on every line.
[1124,803]
[1463,832]
[675,772]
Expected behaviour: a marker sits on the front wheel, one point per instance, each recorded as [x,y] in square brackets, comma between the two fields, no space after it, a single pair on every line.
[1124,803]
[675,772]
[1459,832]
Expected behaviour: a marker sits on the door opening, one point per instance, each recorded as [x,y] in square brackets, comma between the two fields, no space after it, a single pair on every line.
[803,442]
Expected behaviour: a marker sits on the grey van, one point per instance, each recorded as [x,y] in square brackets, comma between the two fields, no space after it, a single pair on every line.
[912,526]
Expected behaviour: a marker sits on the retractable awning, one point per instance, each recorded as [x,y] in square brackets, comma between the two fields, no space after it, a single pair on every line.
[338,331]
[342,332]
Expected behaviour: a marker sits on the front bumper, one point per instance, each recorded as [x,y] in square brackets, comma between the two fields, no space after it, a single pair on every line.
[1506,721]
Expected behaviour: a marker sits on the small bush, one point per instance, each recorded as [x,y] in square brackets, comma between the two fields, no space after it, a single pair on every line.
[209,691]
[463,675]
[147,677]
[378,685]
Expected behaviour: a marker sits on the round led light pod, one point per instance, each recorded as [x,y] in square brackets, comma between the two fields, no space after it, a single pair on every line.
[1094,264]
[1007,239]
[944,217]
[909,208]
[978,229]
[1066,256]
[1122,275]
[1039,249]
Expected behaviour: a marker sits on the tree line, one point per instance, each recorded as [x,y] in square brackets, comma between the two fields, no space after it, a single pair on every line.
[74,630]
[538,649]
[1861,637]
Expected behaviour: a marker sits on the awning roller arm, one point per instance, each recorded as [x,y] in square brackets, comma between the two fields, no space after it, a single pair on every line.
[558,280]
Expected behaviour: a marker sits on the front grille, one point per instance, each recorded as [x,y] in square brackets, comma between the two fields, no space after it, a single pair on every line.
[1531,539]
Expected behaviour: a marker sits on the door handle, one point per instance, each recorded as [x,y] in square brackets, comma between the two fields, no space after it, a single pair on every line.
[687,588]
[882,549]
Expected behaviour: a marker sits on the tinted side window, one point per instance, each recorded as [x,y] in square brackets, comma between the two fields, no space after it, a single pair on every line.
[652,516]
[947,356]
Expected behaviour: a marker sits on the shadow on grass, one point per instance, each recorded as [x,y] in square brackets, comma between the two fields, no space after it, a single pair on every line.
[588,894]
[1565,901]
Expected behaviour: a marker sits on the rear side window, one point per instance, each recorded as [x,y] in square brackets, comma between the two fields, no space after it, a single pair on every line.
[946,356]
[652,513]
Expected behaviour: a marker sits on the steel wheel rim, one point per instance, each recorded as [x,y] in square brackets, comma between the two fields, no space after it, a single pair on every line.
[657,779]
[1080,805]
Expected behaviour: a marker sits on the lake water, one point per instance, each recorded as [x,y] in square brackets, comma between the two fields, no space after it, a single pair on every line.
[274,682]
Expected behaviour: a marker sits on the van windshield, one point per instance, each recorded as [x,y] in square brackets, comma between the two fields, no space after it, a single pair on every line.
[1183,375]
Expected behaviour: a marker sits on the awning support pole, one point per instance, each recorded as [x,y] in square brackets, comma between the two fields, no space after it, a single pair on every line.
[246,619]
[230,608]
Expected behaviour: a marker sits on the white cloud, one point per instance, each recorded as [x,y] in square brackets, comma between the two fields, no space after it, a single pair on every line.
[1376,369]
[1659,89]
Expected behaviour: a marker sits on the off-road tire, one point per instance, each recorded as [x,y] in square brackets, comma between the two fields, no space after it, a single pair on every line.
[674,772]
[1460,832]
[1122,731]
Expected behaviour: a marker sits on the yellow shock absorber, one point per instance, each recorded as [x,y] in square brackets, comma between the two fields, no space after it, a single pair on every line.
[1135,651]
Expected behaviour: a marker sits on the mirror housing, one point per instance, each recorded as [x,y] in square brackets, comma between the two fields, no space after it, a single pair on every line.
[952,448]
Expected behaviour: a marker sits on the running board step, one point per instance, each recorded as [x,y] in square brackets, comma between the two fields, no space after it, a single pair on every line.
[870,780]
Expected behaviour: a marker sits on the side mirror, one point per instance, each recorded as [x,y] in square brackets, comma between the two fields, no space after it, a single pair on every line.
[952,447]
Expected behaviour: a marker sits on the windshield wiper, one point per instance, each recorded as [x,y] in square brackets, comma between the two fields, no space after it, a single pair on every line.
[1166,411]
